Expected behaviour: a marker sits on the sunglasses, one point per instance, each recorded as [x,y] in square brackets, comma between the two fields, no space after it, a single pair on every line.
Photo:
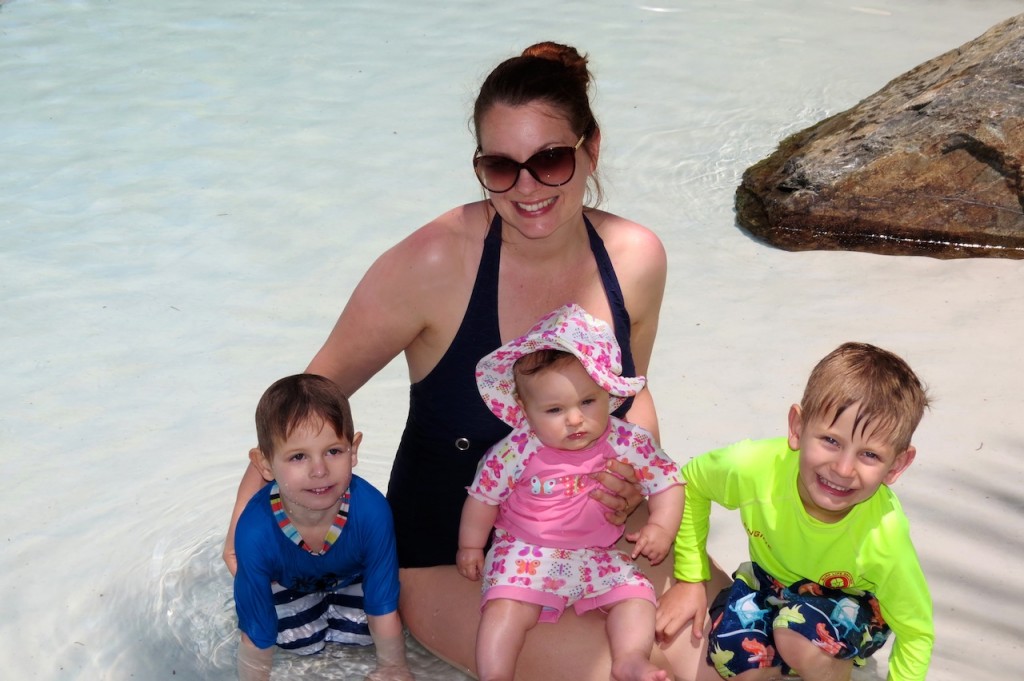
[552,167]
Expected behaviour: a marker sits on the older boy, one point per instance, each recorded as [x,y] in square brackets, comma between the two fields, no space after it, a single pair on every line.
[306,541]
[832,569]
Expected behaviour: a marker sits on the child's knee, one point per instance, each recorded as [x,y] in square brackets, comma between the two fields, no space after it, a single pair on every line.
[807,657]
[791,644]
[523,614]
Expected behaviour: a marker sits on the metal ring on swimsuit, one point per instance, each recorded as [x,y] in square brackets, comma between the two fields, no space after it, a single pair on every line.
[462,444]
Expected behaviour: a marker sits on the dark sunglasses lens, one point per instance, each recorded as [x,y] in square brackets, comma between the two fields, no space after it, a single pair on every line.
[553,167]
[496,173]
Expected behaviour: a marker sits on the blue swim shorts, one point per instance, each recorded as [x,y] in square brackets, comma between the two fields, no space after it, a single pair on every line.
[845,624]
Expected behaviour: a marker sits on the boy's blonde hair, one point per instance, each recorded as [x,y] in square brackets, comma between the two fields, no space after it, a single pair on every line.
[295,400]
[889,393]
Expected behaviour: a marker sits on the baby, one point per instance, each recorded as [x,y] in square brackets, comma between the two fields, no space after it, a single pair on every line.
[553,546]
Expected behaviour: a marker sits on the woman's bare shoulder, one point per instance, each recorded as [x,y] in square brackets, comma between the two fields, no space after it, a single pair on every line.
[629,243]
[439,249]
[621,233]
[641,267]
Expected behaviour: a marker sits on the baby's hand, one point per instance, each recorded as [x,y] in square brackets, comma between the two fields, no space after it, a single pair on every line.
[652,541]
[470,563]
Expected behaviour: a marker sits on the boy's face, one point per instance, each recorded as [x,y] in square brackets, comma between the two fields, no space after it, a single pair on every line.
[841,463]
[564,406]
[313,468]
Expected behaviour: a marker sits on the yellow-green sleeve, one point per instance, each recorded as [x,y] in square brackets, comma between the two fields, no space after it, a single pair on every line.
[904,597]
[691,555]
[717,476]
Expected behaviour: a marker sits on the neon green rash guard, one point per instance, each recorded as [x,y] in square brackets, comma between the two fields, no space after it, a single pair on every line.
[868,550]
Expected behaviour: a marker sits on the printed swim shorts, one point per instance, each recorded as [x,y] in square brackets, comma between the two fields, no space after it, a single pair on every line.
[586,579]
[306,622]
[845,624]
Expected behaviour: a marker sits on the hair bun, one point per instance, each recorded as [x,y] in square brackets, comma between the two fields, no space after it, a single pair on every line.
[567,55]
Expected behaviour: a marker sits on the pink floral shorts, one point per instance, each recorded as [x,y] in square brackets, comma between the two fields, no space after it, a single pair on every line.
[557,578]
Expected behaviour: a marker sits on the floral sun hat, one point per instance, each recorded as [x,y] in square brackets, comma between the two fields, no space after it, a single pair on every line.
[570,329]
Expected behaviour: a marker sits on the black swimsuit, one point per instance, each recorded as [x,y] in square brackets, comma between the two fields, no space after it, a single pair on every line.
[449,428]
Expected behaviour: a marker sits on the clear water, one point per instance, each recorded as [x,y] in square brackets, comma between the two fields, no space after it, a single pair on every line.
[189,191]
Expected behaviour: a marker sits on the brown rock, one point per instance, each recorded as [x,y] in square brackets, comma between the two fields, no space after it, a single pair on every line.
[928,165]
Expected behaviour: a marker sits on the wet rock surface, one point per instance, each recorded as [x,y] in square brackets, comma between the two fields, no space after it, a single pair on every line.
[928,165]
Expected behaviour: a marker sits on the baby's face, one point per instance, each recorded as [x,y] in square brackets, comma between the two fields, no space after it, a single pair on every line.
[564,406]
[842,462]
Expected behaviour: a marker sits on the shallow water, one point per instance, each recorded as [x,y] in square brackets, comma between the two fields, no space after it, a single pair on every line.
[190,190]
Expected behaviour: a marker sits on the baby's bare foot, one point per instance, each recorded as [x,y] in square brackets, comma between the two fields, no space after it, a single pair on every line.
[638,668]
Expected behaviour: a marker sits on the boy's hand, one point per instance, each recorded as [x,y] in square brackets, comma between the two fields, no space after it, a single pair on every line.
[470,563]
[389,640]
[253,663]
[653,541]
[686,603]
[390,674]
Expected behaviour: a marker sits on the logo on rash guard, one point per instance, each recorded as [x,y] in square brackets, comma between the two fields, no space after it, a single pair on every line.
[836,580]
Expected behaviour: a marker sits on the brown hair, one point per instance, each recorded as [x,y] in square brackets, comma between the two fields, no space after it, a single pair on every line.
[889,393]
[295,400]
[539,360]
[547,72]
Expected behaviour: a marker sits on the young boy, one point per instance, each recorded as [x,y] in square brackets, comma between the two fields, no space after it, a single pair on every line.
[832,569]
[553,545]
[306,541]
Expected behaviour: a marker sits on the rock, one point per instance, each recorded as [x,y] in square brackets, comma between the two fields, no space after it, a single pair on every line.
[928,165]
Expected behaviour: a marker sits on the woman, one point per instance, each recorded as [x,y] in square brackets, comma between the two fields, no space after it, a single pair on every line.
[461,286]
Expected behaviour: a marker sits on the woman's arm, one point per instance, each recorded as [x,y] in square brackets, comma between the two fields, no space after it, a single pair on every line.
[402,304]
[252,481]
[357,348]
[383,317]
[640,263]
[411,300]
[641,266]
[360,345]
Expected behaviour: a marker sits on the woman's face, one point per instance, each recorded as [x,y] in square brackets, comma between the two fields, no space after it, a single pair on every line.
[533,209]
